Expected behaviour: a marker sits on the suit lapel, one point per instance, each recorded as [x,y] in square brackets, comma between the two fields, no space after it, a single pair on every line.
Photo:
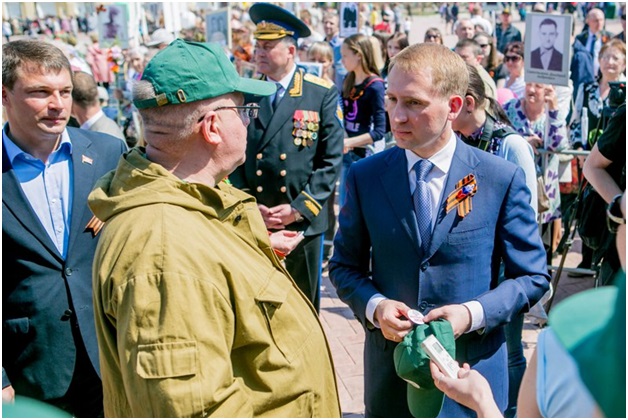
[285,109]
[265,112]
[84,169]
[16,202]
[463,163]
[397,188]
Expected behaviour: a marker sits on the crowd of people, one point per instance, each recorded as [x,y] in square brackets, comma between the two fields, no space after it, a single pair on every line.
[144,200]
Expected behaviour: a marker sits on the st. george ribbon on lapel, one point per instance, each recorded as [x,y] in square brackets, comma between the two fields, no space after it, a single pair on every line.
[461,196]
[94,225]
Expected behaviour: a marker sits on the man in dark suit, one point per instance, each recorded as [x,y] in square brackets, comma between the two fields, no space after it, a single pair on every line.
[546,57]
[585,63]
[49,349]
[425,226]
[294,148]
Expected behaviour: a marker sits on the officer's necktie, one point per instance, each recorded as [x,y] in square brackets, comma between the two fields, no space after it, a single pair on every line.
[422,199]
[277,95]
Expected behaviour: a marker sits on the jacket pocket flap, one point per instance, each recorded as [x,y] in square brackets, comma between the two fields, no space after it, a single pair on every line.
[17,325]
[273,292]
[167,360]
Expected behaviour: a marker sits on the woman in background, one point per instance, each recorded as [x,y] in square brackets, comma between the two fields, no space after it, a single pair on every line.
[536,117]
[321,52]
[492,60]
[433,35]
[594,96]
[363,102]
[513,61]
[397,42]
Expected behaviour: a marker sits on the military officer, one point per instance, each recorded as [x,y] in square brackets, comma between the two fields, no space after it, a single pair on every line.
[294,148]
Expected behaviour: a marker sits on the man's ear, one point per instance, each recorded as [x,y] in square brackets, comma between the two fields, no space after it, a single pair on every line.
[455,106]
[292,49]
[5,95]
[209,129]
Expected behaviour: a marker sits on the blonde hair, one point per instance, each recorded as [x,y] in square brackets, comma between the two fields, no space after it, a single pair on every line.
[449,72]
[618,44]
[321,49]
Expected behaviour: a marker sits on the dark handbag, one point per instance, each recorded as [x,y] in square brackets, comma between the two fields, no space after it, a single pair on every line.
[591,218]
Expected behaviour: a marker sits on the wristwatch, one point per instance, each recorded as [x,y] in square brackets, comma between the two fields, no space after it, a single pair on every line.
[298,217]
[614,217]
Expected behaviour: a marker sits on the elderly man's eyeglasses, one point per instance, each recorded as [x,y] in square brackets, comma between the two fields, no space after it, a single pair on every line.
[248,111]
[614,218]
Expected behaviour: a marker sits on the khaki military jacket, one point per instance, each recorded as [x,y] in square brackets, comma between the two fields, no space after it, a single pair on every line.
[195,315]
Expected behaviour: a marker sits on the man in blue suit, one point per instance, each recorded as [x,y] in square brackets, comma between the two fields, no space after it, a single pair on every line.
[49,348]
[432,239]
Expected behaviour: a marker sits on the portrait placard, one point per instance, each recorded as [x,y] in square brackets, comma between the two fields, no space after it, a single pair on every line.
[218,27]
[312,67]
[547,48]
[348,19]
[113,25]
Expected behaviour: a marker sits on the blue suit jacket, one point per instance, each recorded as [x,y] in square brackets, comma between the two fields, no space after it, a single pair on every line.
[377,250]
[43,295]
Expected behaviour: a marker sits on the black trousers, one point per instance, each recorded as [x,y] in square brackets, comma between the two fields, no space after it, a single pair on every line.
[304,265]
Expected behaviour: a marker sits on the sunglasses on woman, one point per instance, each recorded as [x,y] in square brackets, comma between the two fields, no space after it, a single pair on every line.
[432,36]
[513,58]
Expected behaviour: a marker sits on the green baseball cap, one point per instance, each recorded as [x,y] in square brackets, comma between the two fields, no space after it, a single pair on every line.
[187,71]
[413,365]
[591,325]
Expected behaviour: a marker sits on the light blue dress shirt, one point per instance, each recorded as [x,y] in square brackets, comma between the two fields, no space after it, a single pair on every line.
[47,186]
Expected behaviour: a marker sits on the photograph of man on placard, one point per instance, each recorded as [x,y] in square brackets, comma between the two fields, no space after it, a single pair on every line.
[348,19]
[112,26]
[547,56]
[547,48]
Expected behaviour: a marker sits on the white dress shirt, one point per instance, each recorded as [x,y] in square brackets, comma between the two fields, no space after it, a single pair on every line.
[285,83]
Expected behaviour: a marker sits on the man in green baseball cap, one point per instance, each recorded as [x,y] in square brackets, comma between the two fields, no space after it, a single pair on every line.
[195,314]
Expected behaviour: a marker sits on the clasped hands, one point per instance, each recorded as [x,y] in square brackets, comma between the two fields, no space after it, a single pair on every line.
[278,217]
[391,315]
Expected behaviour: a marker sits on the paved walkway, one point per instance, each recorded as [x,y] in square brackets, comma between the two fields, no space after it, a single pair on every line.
[346,335]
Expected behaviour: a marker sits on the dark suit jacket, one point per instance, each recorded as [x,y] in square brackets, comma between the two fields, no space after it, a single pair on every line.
[581,66]
[377,250]
[555,64]
[278,170]
[43,295]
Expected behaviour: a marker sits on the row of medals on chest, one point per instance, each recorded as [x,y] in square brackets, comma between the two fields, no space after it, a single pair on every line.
[305,133]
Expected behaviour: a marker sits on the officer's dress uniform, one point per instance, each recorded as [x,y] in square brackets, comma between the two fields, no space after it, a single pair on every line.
[293,156]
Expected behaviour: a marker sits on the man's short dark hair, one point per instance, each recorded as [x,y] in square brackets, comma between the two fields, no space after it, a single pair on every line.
[548,21]
[33,55]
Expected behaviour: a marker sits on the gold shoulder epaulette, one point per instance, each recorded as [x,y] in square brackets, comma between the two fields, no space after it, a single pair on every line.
[317,80]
